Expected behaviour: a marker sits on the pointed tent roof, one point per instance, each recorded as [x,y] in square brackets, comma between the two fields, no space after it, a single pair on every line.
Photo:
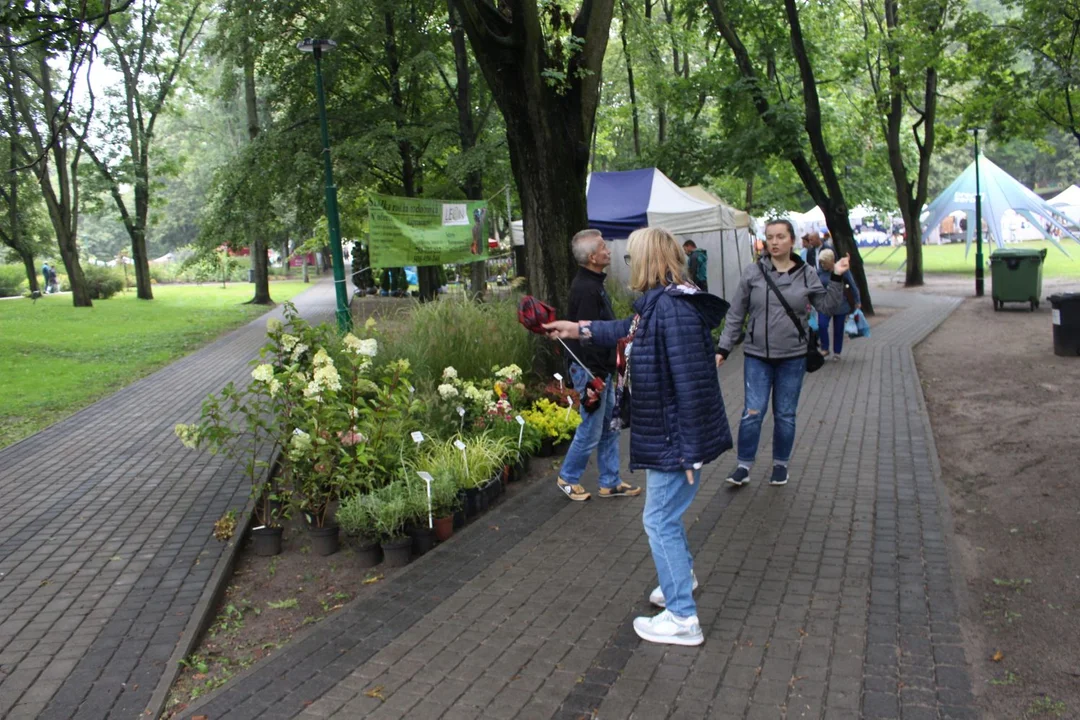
[1000,192]
[1067,202]
[621,202]
[742,219]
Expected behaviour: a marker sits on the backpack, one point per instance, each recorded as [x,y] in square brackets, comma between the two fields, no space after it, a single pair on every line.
[701,274]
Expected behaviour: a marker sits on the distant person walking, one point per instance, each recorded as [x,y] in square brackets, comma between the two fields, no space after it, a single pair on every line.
[589,301]
[697,262]
[852,302]
[46,275]
[774,354]
[677,418]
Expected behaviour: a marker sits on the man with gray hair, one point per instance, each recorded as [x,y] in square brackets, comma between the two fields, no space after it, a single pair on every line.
[589,301]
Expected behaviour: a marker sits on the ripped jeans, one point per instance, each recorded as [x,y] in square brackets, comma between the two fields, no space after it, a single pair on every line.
[783,380]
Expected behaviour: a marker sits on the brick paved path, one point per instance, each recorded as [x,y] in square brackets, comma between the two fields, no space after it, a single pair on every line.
[830,597]
[105,537]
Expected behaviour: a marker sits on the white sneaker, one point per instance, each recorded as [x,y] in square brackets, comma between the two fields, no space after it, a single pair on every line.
[667,629]
[656,597]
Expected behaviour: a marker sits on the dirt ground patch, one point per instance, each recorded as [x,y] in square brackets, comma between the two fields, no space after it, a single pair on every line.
[1004,411]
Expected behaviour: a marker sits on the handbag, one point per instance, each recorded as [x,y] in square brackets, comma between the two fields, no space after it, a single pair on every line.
[814,359]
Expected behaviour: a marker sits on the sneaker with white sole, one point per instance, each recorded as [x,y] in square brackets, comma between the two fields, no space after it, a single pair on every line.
[667,629]
[656,597]
[739,476]
[779,475]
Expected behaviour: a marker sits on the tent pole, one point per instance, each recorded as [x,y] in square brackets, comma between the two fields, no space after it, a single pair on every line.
[979,289]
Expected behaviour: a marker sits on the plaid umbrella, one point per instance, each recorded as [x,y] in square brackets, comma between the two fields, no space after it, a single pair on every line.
[533,314]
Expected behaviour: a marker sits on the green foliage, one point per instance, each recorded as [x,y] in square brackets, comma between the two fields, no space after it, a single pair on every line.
[551,420]
[471,337]
[390,509]
[102,282]
[12,280]
[354,516]
[61,358]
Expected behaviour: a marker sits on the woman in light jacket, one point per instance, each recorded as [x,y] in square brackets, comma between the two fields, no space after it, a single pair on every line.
[677,418]
[775,349]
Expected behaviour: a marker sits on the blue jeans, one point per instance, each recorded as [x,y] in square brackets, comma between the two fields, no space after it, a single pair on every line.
[838,331]
[594,433]
[667,496]
[784,382]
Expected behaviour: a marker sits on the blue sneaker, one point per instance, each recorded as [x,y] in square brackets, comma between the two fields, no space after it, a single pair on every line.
[739,476]
[779,475]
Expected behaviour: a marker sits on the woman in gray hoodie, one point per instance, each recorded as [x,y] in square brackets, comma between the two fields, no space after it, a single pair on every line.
[775,349]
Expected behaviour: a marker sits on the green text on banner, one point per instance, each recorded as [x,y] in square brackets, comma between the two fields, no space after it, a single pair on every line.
[415,231]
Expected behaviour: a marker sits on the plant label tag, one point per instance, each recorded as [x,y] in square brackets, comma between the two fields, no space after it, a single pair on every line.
[569,401]
[412,389]
[520,420]
[417,437]
[559,378]
[425,476]
[461,411]
[459,445]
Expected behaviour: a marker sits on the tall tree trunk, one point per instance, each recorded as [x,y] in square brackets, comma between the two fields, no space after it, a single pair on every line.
[140,258]
[257,240]
[31,272]
[473,185]
[630,81]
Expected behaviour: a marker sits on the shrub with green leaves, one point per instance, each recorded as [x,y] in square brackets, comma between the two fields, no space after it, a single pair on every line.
[102,282]
[469,336]
[12,280]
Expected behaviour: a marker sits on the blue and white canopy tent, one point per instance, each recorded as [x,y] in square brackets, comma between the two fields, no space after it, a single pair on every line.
[621,202]
[1000,193]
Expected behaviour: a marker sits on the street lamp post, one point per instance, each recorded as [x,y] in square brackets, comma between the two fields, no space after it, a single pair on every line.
[978,223]
[317,47]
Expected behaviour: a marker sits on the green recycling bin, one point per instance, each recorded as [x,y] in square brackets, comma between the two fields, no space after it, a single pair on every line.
[1017,276]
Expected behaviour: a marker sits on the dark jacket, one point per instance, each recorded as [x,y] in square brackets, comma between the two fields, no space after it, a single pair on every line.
[589,301]
[849,281]
[770,334]
[677,417]
[697,262]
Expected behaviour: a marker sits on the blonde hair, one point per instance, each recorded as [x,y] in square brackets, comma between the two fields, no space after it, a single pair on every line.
[656,259]
[826,255]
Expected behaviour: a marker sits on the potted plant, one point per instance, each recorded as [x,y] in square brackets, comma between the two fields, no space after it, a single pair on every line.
[445,503]
[354,517]
[417,525]
[556,424]
[389,513]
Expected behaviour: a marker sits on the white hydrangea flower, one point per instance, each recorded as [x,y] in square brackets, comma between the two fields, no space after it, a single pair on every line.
[275,387]
[351,342]
[447,391]
[509,372]
[449,373]
[327,377]
[288,342]
[354,412]
[299,351]
[263,373]
[475,394]
[273,325]
[321,359]
[313,390]
[300,442]
[368,347]
[188,434]
[370,324]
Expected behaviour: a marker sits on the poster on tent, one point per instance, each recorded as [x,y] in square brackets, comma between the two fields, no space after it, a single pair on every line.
[415,231]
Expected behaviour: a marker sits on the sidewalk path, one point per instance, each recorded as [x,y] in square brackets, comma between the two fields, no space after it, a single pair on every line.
[105,537]
[828,598]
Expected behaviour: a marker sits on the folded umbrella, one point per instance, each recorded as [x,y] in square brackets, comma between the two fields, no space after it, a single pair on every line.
[533,314]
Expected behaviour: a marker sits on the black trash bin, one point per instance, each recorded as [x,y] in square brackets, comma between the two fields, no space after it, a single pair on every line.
[1065,308]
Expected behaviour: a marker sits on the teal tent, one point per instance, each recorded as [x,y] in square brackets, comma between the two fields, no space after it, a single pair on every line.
[1000,192]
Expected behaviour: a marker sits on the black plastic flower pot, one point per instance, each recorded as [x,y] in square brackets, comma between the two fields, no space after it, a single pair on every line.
[484,497]
[396,552]
[472,502]
[459,517]
[324,540]
[368,552]
[547,448]
[423,539]
[266,541]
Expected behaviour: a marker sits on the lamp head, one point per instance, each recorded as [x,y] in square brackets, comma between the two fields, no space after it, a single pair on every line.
[310,45]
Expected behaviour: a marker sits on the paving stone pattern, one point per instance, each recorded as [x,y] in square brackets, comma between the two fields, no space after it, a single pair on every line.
[105,537]
[828,598]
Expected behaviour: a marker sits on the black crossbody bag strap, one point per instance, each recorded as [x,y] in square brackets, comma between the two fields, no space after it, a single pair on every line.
[784,303]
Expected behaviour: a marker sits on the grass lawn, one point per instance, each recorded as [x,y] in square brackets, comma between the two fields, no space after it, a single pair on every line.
[950,258]
[56,359]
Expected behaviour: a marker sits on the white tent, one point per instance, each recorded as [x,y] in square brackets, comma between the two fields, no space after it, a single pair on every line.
[621,202]
[1067,203]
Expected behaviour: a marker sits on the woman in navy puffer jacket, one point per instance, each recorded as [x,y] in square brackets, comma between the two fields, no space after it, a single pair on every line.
[677,418]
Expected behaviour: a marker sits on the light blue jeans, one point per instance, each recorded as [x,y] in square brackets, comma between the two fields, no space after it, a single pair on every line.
[667,496]
[594,433]
[784,382]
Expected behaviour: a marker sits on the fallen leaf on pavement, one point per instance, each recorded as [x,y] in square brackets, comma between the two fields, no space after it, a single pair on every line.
[375,692]
[998,656]
[371,580]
